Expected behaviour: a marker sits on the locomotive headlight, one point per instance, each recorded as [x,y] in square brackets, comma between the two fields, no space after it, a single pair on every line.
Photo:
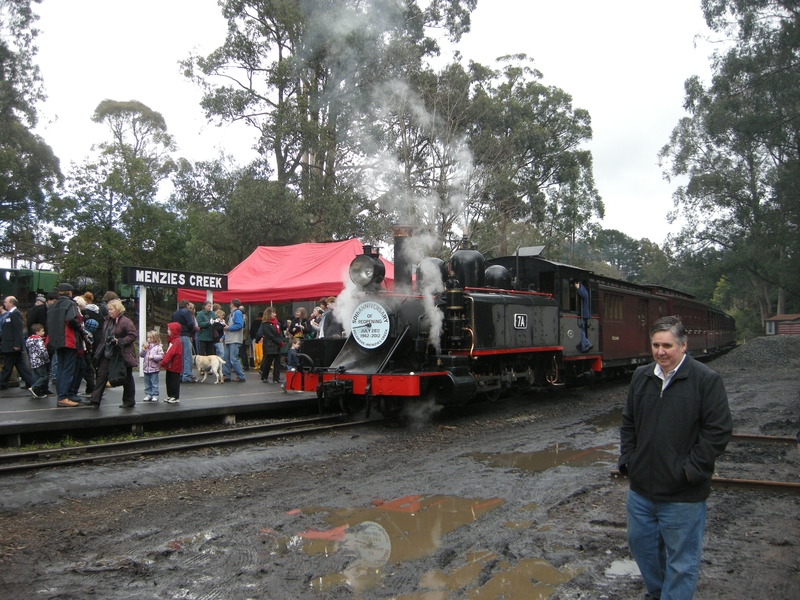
[366,270]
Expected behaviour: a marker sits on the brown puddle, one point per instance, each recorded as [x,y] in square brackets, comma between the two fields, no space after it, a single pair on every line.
[398,530]
[410,528]
[529,579]
[612,419]
[536,462]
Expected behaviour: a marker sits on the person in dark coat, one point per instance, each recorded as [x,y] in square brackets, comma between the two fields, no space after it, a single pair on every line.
[272,341]
[585,311]
[205,338]
[675,423]
[11,347]
[184,317]
[119,332]
[37,314]
[102,308]
[329,325]
[65,336]
[256,325]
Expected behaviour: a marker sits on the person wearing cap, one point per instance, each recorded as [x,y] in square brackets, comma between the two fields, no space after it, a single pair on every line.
[64,335]
[37,314]
[11,347]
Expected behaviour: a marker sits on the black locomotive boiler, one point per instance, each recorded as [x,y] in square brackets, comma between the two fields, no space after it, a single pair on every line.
[475,330]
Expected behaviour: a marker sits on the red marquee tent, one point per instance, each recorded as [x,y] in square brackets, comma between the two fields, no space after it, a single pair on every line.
[290,273]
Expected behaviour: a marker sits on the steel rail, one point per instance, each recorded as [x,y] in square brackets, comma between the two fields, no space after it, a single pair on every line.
[164,449]
[751,437]
[104,447]
[755,484]
[741,484]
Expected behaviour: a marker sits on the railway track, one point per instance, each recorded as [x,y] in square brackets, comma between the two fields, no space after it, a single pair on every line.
[16,462]
[730,483]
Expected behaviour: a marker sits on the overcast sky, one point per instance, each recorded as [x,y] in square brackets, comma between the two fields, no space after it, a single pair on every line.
[624,61]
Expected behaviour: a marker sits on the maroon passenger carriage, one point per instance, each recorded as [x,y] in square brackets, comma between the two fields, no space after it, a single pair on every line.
[505,326]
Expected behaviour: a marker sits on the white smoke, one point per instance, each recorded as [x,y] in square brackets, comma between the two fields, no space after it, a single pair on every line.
[346,302]
[429,284]
[416,163]
[420,171]
[420,414]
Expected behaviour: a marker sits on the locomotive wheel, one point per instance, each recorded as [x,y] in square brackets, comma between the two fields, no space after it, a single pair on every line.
[493,395]
[347,407]
[517,391]
[390,407]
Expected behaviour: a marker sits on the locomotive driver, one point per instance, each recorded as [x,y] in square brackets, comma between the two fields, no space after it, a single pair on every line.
[675,424]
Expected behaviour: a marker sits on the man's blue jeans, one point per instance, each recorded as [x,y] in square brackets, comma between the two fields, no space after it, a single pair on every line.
[68,379]
[186,344]
[666,540]
[232,361]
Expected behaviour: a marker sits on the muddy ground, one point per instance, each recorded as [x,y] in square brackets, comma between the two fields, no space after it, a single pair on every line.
[512,500]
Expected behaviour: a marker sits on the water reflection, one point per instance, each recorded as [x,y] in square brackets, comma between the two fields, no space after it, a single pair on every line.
[611,419]
[536,462]
[404,529]
[366,541]
[529,579]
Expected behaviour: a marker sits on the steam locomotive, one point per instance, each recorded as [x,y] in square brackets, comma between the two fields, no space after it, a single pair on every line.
[477,329]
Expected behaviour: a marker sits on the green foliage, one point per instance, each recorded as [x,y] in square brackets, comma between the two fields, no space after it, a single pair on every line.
[304,75]
[111,204]
[29,171]
[738,149]
[229,211]
[264,213]
[530,164]
[420,175]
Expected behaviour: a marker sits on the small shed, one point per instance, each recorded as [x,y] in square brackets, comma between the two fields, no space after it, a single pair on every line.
[783,325]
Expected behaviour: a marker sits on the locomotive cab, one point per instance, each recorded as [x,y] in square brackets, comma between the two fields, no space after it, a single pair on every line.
[534,273]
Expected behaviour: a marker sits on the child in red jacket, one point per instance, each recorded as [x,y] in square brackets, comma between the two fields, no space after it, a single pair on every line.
[172,363]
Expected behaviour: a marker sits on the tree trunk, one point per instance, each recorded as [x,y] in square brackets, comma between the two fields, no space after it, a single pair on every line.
[504,236]
[764,304]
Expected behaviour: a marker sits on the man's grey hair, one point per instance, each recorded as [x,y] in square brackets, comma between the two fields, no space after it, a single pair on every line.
[673,325]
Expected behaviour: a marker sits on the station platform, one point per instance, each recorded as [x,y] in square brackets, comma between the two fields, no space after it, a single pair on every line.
[22,415]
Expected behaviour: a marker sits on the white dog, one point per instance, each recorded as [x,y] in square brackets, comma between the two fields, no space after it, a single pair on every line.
[209,364]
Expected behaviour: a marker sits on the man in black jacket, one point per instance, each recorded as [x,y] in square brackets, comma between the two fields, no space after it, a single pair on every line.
[65,336]
[676,422]
[12,345]
[37,314]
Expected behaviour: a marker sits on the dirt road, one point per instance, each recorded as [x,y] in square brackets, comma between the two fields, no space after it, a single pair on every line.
[512,500]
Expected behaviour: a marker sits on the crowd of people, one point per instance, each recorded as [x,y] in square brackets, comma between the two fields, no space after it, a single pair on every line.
[67,345]
[63,341]
[71,340]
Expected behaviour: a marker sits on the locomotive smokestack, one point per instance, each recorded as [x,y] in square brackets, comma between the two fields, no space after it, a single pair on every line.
[402,262]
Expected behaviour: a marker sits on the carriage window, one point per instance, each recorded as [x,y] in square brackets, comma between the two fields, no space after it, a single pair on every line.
[612,307]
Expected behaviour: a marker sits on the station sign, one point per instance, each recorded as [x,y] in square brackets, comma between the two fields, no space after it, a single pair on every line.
[164,278]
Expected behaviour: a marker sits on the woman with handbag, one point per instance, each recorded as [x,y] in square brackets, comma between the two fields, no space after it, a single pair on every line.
[115,356]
